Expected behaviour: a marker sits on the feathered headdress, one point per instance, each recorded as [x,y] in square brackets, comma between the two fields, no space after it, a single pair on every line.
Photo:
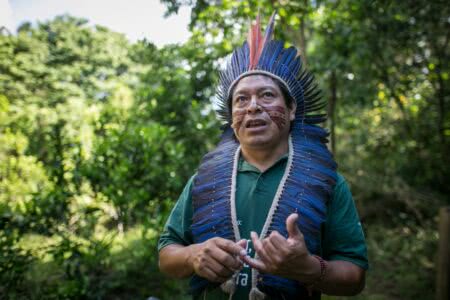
[263,55]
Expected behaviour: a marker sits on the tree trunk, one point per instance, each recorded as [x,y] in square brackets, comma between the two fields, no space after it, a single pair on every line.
[332,109]
[443,263]
[303,44]
[441,98]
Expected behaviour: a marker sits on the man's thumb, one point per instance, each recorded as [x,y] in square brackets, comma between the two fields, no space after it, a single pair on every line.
[291,226]
[242,243]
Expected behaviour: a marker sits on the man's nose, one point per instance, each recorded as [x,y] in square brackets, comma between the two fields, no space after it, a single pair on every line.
[253,106]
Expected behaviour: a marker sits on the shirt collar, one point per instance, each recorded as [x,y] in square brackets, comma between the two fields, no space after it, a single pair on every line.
[244,166]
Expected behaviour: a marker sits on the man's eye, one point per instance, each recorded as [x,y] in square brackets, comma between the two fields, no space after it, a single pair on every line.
[241,99]
[268,95]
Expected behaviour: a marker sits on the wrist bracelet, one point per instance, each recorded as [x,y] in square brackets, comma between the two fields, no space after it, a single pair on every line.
[323,271]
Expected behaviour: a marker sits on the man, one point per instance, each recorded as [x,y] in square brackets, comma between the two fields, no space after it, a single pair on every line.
[271,173]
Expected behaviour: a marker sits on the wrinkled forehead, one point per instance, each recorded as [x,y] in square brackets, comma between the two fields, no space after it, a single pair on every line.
[253,83]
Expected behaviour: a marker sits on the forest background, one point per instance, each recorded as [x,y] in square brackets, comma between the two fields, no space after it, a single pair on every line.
[98,136]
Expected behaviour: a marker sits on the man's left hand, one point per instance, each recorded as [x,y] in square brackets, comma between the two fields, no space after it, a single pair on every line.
[284,257]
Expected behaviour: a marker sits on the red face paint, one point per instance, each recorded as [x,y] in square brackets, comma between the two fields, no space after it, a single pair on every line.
[238,118]
[277,114]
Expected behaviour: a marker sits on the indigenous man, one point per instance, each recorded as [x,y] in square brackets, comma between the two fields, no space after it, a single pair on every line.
[266,216]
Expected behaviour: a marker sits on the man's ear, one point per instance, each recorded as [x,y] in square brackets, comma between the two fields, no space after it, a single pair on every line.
[292,110]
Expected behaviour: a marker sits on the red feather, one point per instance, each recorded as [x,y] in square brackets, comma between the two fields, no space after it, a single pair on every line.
[256,41]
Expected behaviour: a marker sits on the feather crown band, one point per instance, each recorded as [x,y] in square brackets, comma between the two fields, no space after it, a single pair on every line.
[262,55]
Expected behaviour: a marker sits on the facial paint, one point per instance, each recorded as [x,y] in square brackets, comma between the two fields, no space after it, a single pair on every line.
[238,118]
[277,114]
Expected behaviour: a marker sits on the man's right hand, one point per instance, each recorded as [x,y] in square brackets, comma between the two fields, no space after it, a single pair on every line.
[216,259]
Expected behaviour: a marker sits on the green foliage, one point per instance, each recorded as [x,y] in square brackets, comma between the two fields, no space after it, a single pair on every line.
[14,262]
[98,137]
[111,267]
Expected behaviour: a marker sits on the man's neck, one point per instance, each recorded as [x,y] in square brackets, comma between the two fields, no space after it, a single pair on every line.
[263,159]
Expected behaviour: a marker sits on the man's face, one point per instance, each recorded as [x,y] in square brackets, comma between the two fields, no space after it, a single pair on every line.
[261,118]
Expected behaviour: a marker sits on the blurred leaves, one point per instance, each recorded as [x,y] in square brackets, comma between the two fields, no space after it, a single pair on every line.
[97,137]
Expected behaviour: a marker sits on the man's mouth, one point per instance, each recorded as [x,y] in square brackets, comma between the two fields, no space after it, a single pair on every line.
[255,123]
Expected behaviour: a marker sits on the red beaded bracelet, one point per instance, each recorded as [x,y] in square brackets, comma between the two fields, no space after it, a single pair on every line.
[323,268]
[323,271]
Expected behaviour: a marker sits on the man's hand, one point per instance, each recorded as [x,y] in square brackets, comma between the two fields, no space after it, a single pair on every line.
[285,257]
[217,259]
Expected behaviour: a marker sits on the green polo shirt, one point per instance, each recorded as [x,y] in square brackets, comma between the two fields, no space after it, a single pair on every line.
[341,234]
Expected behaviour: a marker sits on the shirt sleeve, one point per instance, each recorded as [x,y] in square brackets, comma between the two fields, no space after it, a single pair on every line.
[343,237]
[178,226]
